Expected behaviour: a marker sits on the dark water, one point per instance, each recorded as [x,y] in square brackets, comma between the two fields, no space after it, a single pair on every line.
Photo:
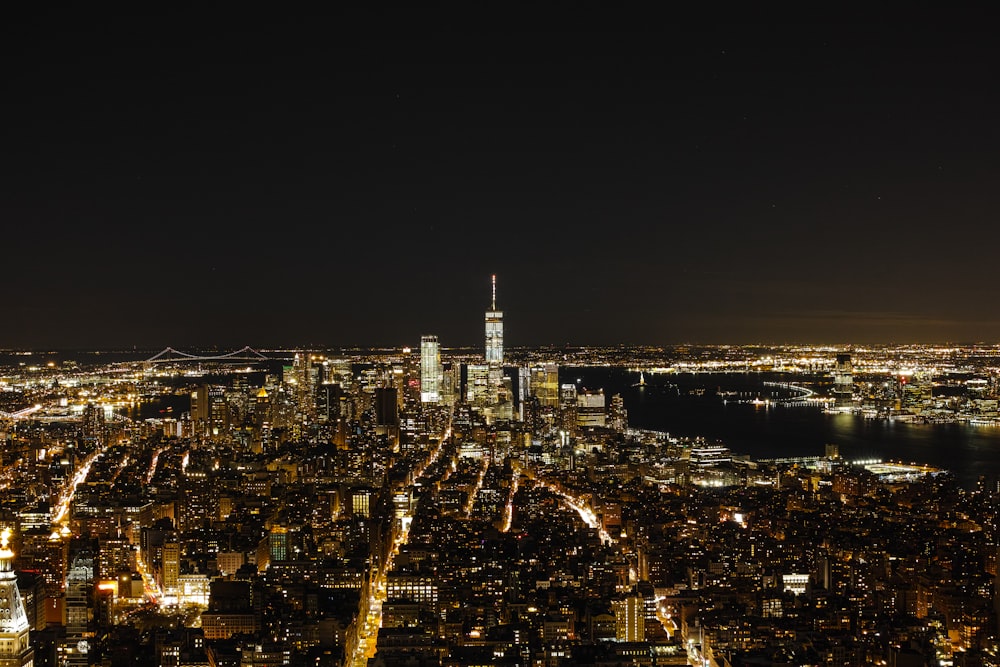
[170,406]
[667,403]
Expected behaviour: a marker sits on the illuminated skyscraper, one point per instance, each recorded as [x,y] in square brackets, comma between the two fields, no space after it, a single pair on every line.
[843,380]
[494,331]
[74,649]
[590,409]
[544,384]
[14,626]
[488,390]
[171,567]
[430,370]
[478,387]
[630,622]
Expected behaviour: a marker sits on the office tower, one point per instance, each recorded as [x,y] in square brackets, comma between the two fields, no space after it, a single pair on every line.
[278,543]
[504,410]
[261,421]
[304,378]
[523,383]
[14,625]
[590,409]
[75,647]
[209,411]
[487,389]
[706,456]
[420,589]
[630,619]
[451,382]
[617,414]
[494,331]
[114,556]
[430,370]
[171,567]
[479,392]
[545,385]
[843,380]
[567,394]
[386,406]
[523,390]
[93,423]
[331,403]
[404,375]
[200,502]
[361,502]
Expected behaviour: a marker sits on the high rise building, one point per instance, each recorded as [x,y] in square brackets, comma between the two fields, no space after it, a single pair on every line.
[494,331]
[361,502]
[74,649]
[261,421]
[630,620]
[843,380]
[93,422]
[477,386]
[209,411]
[590,409]
[617,414]
[567,394]
[278,543]
[430,370]
[451,382]
[304,377]
[15,649]
[406,378]
[387,406]
[545,384]
[487,388]
[171,567]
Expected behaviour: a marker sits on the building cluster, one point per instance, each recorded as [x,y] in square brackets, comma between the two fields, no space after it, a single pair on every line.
[408,507]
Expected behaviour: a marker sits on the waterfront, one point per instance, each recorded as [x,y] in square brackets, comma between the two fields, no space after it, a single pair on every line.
[677,404]
[716,406]
[390,528]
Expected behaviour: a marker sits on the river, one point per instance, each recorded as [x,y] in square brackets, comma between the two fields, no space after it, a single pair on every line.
[692,405]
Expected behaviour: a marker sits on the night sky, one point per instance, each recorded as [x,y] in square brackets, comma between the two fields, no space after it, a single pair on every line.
[192,179]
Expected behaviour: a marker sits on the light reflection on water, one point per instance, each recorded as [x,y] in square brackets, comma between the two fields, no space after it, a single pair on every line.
[667,404]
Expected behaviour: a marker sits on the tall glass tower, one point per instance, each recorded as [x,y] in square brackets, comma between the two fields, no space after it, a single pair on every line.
[430,369]
[494,331]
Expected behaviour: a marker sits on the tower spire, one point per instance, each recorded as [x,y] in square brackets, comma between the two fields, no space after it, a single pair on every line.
[14,626]
[494,330]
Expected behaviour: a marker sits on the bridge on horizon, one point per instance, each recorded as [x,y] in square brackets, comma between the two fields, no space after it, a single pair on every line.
[170,355]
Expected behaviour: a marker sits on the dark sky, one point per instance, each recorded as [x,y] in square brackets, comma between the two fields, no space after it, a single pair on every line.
[348,179]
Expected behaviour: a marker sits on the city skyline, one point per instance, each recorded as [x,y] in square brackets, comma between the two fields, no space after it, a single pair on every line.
[364,509]
[356,178]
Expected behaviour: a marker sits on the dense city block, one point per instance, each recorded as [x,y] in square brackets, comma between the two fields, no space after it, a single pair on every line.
[428,507]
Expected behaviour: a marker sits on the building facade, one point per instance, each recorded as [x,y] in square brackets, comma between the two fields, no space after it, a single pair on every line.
[15,649]
[430,370]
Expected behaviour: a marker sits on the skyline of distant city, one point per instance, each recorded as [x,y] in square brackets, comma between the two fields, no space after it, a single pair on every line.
[390,336]
[585,507]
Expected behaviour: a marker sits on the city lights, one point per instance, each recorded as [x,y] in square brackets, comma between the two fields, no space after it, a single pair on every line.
[372,496]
